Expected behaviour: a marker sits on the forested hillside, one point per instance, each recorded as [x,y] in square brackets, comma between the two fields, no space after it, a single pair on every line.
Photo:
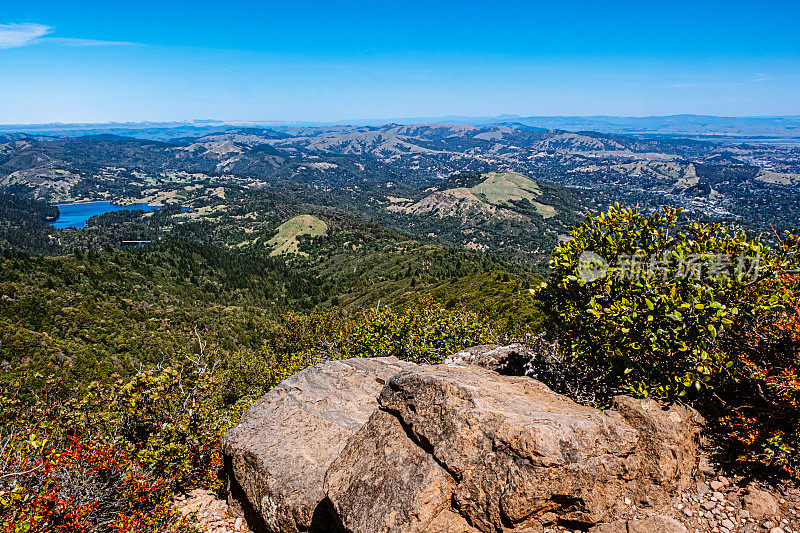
[128,346]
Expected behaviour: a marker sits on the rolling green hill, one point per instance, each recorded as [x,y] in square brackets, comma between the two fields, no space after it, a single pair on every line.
[289,233]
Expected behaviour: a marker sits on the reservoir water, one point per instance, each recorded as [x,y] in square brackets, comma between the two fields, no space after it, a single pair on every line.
[75,215]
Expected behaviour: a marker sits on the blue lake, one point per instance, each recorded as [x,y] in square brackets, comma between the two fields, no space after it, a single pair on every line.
[76,215]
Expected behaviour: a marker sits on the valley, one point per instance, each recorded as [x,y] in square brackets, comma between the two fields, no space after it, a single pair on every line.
[509,190]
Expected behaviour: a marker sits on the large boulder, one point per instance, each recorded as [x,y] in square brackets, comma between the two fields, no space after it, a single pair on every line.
[382,446]
[279,453]
[668,446]
[510,360]
[520,454]
[383,481]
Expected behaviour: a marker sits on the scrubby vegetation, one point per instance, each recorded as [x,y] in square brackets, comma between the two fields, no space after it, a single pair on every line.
[121,369]
[109,458]
[666,307]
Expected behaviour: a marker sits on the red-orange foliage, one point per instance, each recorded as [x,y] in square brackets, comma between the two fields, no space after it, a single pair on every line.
[63,471]
[767,422]
[85,486]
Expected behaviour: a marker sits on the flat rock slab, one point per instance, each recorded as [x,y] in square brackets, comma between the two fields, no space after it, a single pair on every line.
[279,453]
[651,524]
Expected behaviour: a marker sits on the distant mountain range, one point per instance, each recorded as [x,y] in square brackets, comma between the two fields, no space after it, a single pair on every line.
[777,129]
[512,189]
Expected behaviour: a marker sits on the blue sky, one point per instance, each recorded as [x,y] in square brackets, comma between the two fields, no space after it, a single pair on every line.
[71,61]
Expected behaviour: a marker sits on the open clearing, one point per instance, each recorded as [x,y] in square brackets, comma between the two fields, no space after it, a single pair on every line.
[285,242]
[493,196]
[502,187]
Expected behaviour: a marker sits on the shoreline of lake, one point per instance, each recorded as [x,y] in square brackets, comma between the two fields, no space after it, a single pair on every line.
[77,214]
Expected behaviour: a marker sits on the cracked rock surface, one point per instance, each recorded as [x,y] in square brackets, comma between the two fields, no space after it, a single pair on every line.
[379,445]
[278,454]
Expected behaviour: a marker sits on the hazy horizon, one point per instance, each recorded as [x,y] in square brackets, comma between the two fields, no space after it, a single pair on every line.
[388,120]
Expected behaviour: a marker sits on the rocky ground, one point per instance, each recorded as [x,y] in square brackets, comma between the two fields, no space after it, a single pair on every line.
[725,505]
[714,504]
[212,512]
[718,505]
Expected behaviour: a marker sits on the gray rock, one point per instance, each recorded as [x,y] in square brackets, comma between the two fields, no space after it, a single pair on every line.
[276,458]
[522,454]
[508,360]
[656,524]
[705,467]
[382,482]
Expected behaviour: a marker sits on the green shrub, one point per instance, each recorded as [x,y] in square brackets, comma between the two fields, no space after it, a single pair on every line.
[166,420]
[660,306]
[423,332]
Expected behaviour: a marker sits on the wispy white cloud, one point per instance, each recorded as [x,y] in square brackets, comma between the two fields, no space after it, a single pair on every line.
[18,35]
[69,41]
[742,81]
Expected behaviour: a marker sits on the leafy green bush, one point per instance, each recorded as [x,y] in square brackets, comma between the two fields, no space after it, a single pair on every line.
[660,306]
[423,332]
